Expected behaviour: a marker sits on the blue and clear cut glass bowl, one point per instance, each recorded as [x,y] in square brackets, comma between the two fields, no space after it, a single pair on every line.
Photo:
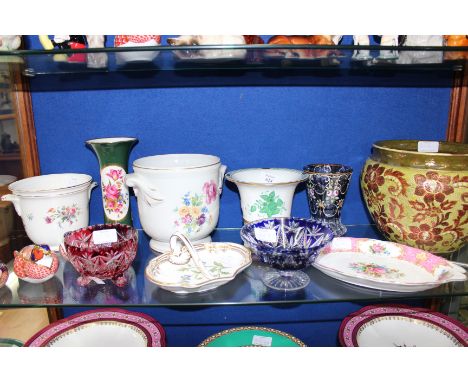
[287,245]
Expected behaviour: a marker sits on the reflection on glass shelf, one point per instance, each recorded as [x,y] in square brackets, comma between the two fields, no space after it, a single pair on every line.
[163,66]
[247,288]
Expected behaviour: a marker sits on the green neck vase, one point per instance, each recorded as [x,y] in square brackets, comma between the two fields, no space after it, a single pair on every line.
[113,156]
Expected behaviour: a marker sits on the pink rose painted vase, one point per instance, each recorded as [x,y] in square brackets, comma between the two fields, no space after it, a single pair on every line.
[113,156]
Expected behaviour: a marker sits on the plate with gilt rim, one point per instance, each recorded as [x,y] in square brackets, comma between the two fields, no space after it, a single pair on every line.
[108,327]
[401,326]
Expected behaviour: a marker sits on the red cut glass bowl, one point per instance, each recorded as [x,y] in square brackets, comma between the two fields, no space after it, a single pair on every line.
[96,262]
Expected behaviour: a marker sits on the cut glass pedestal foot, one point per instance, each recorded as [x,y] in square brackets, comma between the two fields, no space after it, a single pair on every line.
[338,228]
[286,280]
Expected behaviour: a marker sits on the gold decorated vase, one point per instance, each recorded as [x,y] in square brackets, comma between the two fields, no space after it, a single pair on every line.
[418,198]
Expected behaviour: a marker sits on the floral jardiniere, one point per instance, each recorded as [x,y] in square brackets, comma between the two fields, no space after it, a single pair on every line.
[177,193]
[418,198]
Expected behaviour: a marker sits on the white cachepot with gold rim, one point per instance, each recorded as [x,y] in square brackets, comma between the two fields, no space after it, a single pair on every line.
[177,192]
[51,205]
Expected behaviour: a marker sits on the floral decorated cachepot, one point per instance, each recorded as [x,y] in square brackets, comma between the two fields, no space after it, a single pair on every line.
[177,192]
[419,198]
[113,160]
[51,205]
[266,192]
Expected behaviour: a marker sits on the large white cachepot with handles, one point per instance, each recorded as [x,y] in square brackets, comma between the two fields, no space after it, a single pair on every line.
[51,205]
[177,192]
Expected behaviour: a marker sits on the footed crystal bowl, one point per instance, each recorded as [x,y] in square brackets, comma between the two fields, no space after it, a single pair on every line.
[98,262]
[288,245]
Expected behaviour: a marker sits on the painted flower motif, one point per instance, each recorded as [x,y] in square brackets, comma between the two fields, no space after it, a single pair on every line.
[433,186]
[195,211]
[184,210]
[201,220]
[210,191]
[115,194]
[193,214]
[374,177]
[377,248]
[376,270]
[114,174]
[111,191]
[112,204]
[425,235]
[268,204]
[62,215]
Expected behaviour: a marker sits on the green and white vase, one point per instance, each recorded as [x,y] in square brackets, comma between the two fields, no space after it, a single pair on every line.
[113,156]
[266,192]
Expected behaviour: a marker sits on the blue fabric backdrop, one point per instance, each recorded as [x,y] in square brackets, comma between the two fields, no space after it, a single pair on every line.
[246,127]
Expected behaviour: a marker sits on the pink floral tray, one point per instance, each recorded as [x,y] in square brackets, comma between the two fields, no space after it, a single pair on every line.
[101,327]
[385,265]
[402,326]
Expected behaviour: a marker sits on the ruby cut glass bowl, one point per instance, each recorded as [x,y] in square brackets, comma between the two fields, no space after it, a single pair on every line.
[97,262]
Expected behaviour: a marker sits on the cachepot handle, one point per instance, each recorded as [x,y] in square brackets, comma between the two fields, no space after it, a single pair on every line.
[14,199]
[91,186]
[222,171]
[150,194]
[177,241]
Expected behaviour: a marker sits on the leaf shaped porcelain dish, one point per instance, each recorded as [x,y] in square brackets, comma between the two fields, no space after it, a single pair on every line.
[202,268]
[385,265]
[109,327]
[401,326]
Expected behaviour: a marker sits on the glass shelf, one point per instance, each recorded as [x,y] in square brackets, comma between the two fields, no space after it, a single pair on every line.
[247,65]
[246,289]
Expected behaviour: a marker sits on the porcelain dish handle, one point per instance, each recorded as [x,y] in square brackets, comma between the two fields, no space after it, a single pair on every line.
[150,194]
[182,250]
[222,171]
[457,274]
[14,199]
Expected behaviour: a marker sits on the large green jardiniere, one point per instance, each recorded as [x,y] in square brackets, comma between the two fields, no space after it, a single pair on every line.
[418,198]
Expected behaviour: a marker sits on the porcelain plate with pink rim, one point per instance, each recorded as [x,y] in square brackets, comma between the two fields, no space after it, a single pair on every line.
[385,265]
[108,327]
[401,326]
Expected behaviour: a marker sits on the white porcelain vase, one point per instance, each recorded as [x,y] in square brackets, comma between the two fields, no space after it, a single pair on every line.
[266,192]
[177,192]
[51,205]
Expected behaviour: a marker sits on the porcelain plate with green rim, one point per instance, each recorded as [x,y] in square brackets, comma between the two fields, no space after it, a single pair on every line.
[252,336]
[10,342]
